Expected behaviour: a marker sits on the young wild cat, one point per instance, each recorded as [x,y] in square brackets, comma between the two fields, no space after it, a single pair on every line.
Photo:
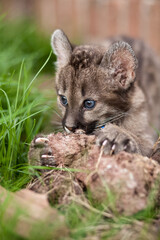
[99,92]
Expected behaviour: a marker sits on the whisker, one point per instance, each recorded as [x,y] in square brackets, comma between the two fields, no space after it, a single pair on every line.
[116,118]
[58,130]
[58,126]
[112,119]
[55,111]
[57,123]
[57,114]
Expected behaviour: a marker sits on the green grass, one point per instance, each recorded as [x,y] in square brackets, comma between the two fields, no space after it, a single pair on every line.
[26,61]
[25,110]
[24,54]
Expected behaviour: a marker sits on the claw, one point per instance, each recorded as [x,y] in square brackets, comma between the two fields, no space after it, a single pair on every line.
[112,149]
[104,142]
[48,160]
[125,147]
[47,156]
[41,140]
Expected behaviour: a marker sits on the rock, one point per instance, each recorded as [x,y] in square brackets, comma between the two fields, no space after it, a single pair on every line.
[29,211]
[59,185]
[129,178]
[125,178]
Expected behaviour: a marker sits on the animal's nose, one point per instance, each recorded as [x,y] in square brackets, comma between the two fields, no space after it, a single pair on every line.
[69,129]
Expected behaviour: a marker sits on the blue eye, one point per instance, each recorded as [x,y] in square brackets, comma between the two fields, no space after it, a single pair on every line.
[63,100]
[89,104]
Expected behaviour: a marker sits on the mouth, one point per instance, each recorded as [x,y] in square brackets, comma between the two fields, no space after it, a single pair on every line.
[86,129]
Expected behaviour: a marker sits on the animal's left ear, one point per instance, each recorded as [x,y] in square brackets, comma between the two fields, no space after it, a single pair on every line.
[121,64]
[61,47]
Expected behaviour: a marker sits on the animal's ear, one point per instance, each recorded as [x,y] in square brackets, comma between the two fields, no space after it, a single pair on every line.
[121,64]
[61,47]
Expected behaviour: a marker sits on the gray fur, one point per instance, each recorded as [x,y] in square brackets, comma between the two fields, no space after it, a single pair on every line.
[61,47]
[118,59]
[110,77]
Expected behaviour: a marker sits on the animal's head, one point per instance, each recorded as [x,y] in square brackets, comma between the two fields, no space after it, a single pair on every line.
[93,84]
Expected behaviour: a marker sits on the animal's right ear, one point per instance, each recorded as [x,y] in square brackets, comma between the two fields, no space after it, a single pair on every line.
[61,47]
[121,63]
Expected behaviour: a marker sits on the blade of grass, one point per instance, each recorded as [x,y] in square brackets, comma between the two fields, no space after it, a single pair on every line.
[9,106]
[29,117]
[18,85]
[38,72]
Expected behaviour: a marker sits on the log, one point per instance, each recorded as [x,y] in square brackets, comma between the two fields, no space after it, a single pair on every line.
[31,210]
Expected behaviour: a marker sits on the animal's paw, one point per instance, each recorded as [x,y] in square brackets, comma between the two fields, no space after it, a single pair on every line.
[40,153]
[114,140]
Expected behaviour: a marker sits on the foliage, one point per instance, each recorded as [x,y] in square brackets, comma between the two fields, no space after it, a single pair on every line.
[23,106]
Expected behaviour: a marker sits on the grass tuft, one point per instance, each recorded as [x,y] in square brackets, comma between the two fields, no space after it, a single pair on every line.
[23,106]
